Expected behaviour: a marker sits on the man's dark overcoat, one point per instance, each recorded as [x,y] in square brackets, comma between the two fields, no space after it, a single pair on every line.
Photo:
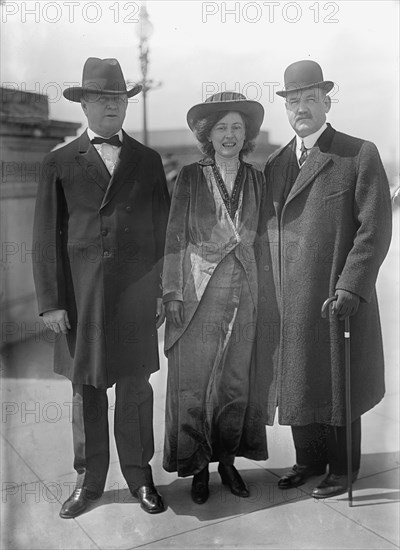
[99,243]
[333,232]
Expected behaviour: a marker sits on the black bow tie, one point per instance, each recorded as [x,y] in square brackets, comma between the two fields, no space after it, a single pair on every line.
[113,140]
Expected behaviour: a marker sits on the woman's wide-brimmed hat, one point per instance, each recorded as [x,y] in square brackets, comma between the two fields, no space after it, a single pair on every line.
[302,75]
[101,77]
[226,101]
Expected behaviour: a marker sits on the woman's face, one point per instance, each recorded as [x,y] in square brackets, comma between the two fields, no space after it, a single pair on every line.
[228,135]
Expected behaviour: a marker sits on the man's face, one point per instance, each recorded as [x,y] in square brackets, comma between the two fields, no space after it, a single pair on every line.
[105,113]
[306,110]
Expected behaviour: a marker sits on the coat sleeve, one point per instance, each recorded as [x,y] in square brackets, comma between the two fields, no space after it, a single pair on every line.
[372,210]
[161,204]
[48,270]
[176,240]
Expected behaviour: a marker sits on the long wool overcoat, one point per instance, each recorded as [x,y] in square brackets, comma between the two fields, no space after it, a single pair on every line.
[332,232]
[100,243]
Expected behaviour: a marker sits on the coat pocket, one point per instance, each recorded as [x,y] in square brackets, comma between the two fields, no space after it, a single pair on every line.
[338,195]
[334,206]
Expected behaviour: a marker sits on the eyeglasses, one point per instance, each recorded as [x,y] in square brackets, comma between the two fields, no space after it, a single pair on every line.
[112,98]
[104,99]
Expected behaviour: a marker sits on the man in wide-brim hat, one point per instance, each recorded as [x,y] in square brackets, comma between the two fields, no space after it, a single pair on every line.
[102,206]
[330,221]
[101,77]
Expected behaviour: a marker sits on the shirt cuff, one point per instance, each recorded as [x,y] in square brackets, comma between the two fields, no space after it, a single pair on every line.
[174,295]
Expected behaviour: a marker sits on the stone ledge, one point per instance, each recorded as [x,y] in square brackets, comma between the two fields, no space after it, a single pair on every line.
[18,190]
[24,104]
[34,127]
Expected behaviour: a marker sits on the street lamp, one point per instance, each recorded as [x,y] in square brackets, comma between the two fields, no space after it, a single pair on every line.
[144,31]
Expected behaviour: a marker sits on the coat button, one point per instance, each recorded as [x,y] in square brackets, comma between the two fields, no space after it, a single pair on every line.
[266,268]
[128,208]
[126,229]
[104,232]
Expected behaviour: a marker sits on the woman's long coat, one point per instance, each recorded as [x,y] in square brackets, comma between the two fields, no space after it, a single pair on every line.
[202,239]
[204,248]
[333,232]
[99,245]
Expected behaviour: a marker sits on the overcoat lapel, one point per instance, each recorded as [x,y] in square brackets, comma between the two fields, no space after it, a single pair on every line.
[318,158]
[310,170]
[124,170]
[92,164]
[280,172]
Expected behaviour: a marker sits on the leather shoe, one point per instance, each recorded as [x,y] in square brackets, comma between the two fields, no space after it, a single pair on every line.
[77,503]
[332,485]
[231,477]
[150,499]
[200,492]
[298,475]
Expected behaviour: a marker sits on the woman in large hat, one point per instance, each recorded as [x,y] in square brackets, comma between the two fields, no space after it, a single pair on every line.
[213,404]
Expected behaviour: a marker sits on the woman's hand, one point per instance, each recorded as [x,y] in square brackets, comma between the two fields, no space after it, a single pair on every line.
[57,320]
[160,314]
[174,312]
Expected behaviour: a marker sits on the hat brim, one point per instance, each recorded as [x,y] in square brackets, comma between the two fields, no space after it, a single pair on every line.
[326,85]
[253,109]
[75,93]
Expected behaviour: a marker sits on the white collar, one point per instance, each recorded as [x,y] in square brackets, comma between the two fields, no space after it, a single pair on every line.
[92,135]
[311,140]
[226,162]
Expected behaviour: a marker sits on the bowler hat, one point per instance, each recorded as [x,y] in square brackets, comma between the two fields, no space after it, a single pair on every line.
[302,75]
[101,76]
[226,101]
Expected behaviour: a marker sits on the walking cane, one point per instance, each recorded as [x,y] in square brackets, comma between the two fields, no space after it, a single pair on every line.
[348,397]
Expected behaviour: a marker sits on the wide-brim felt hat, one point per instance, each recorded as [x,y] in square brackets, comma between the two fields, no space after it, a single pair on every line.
[226,101]
[101,77]
[302,75]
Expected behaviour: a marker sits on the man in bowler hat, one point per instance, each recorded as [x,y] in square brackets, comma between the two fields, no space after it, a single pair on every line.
[328,231]
[100,220]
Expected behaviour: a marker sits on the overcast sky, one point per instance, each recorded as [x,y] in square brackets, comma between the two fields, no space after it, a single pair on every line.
[202,47]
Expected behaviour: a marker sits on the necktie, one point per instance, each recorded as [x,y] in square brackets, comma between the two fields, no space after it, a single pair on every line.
[113,140]
[303,155]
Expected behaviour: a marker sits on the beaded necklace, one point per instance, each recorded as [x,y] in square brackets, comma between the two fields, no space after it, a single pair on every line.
[231,201]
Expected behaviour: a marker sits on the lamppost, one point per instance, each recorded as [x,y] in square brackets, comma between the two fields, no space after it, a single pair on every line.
[144,31]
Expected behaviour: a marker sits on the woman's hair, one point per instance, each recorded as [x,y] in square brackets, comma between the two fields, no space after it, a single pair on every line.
[202,130]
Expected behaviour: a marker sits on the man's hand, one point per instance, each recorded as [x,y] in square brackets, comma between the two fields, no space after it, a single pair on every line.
[174,312]
[57,320]
[160,315]
[346,304]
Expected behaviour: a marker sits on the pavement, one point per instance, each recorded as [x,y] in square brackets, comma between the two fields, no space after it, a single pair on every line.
[37,471]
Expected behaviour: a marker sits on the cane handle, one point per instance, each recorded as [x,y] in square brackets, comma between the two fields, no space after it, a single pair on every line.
[326,304]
